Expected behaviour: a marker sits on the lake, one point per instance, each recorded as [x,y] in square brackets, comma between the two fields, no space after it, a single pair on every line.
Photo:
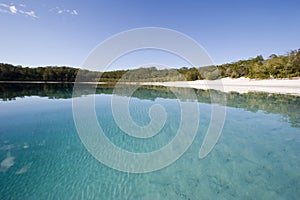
[42,156]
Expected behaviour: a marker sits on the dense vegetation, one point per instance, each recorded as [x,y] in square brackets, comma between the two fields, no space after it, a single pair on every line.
[276,66]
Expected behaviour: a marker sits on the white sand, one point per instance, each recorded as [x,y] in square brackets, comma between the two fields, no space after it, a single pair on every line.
[8,162]
[240,85]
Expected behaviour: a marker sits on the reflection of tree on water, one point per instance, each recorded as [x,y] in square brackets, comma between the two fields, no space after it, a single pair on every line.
[285,105]
[10,91]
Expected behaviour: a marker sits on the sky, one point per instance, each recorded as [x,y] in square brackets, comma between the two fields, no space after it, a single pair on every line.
[64,32]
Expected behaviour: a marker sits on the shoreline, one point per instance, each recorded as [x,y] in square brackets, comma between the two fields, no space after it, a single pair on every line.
[240,85]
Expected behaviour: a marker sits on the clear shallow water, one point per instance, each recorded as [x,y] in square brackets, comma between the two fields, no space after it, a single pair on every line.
[42,157]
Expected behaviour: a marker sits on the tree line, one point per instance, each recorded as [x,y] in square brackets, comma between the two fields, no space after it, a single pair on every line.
[276,66]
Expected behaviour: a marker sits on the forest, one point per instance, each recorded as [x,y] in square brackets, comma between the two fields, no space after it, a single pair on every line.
[275,66]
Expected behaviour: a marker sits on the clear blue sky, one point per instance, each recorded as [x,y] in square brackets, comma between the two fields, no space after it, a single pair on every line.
[40,33]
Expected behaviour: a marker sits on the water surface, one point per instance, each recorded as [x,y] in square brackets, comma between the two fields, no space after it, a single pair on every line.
[42,157]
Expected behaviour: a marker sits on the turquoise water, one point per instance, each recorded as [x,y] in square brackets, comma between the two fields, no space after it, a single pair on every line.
[42,157]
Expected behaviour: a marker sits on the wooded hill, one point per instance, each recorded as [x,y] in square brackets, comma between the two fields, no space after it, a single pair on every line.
[276,66]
